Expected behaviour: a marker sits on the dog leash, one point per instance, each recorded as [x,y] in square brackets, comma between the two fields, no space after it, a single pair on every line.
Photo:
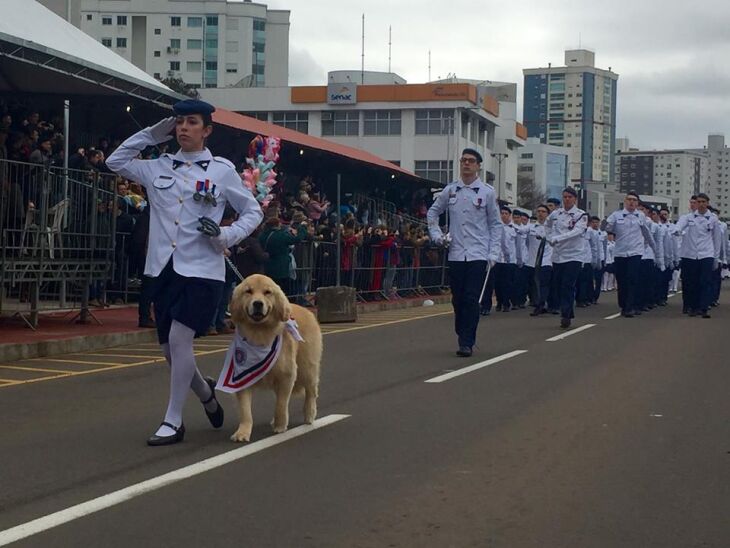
[233,268]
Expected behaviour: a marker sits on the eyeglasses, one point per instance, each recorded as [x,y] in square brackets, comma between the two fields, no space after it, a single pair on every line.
[468,160]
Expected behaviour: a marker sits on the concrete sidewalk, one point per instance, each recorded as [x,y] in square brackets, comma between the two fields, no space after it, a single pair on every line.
[57,333]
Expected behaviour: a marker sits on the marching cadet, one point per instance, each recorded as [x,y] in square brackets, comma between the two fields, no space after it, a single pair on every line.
[540,274]
[700,254]
[521,221]
[652,262]
[631,234]
[506,267]
[187,193]
[475,232]
[552,204]
[600,267]
[609,276]
[591,262]
[717,275]
[566,226]
[670,258]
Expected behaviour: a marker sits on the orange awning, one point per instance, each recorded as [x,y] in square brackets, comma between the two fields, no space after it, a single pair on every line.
[252,125]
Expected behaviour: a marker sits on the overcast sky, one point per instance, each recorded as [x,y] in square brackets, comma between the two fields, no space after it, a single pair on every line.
[672,57]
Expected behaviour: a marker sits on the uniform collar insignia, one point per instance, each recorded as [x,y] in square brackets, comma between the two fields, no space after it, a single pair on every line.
[177,163]
[204,164]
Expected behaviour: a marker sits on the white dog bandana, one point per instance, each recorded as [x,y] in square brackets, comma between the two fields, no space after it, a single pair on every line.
[246,363]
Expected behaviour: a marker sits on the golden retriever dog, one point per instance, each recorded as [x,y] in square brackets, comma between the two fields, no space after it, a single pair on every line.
[259,309]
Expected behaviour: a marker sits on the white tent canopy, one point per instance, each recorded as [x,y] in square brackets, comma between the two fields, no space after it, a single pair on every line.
[32,34]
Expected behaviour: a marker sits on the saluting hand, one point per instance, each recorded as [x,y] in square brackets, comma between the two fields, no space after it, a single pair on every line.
[162,130]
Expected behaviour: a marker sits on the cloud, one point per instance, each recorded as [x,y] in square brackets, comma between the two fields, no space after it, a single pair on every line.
[304,68]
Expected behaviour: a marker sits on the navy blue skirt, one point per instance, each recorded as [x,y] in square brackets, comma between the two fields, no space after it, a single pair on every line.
[190,301]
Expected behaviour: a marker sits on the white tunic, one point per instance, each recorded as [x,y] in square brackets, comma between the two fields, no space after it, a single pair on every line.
[171,183]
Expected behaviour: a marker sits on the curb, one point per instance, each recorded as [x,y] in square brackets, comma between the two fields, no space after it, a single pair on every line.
[19,351]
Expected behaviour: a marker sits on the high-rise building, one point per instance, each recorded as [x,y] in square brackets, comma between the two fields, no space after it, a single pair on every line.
[718,172]
[675,174]
[211,43]
[575,106]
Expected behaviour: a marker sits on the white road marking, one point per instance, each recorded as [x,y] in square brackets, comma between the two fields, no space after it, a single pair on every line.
[50,521]
[476,366]
[571,332]
[612,317]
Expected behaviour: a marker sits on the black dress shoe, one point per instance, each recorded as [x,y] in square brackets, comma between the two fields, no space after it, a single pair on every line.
[692,313]
[215,417]
[627,314]
[464,351]
[706,314]
[536,312]
[484,312]
[178,436]
[565,323]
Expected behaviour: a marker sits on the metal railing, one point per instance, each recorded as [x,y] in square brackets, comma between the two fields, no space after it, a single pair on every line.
[57,237]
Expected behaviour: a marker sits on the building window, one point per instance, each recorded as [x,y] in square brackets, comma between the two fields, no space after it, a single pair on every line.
[341,123]
[106,42]
[157,75]
[263,116]
[435,170]
[106,20]
[88,17]
[195,22]
[231,68]
[211,21]
[526,155]
[175,65]
[211,65]
[259,24]
[158,32]
[434,122]
[195,44]
[298,121]
[157,54]
[175,21]
[259,47]
[175,43]
[211,44]
[121,42]
[194,66]
[122,20]
[382,122]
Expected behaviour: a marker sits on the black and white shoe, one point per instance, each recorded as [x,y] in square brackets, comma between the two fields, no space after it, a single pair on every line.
[178,436]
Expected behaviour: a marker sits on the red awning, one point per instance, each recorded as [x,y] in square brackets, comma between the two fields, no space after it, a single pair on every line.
[252,125]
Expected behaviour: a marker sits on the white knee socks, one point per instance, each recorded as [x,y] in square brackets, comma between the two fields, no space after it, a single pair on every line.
[183,375]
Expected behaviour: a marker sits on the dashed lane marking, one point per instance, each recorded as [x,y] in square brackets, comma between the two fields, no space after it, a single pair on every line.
[475,367]
[612,317]
[571,332]
[39,369]
[50,521]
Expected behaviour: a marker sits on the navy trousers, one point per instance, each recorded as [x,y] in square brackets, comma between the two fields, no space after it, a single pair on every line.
[565,278]
[627,279]
[466,279]
[504,284]
[585,285]
[486,304]
[597,281]
[697,283]
[540,286]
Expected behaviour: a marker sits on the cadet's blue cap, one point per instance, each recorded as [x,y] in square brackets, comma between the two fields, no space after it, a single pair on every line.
[553,201]
[193,106]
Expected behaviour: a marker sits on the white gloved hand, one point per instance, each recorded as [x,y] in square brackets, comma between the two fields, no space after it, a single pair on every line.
[162,130]
[715,265]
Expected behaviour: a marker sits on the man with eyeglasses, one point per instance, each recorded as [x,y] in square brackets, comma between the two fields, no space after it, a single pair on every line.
[701,246]
[631,232]
[474,238]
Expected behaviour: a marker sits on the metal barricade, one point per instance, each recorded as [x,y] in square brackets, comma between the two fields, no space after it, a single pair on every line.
[56,237]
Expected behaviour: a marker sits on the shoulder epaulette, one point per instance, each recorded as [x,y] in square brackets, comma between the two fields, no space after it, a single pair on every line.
[224,161]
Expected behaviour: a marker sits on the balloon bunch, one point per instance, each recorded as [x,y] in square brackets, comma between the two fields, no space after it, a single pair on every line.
[259,176]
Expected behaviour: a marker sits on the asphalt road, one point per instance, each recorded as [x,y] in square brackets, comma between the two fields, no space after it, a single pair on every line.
[615,436]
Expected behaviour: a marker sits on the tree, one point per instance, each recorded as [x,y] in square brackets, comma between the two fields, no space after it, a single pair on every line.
[528,195]
[178,85]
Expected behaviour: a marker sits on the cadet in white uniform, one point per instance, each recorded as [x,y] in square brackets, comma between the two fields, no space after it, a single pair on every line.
[700,254]
[506,267]
[609,276]
[566,227]
[539,275]
[187,193]
[475,231]
[631,235]
[670,259]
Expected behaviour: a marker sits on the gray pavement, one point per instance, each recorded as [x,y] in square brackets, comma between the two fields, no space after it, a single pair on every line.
[615,436]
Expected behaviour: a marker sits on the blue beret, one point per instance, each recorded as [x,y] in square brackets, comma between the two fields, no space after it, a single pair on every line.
[473,153]
[193,106]
[553,201]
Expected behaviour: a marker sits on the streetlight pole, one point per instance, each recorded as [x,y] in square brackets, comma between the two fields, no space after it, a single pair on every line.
[500,156]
